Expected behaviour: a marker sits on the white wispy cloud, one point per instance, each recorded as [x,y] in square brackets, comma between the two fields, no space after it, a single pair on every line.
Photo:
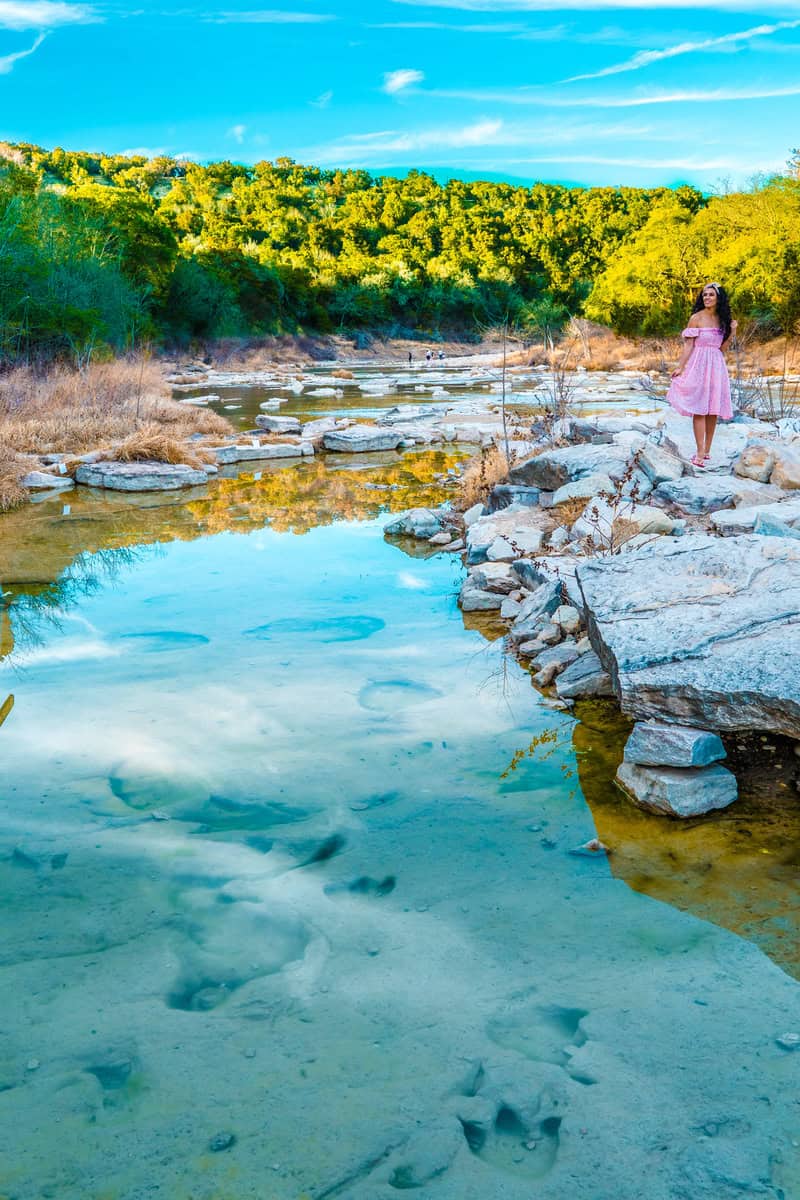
[8,61]
[545,99]
[323,100]
[237,132]
[507,27]
[20,15]
[381,145]
[508,6]
[398,81]
[646,58]
[655,164]
[267,16]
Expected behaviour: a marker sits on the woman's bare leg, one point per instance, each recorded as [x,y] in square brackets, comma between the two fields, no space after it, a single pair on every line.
[710,429]
[699,426]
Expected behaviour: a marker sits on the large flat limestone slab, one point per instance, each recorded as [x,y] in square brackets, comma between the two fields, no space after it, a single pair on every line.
[140,476]
[361,439]
[702,631]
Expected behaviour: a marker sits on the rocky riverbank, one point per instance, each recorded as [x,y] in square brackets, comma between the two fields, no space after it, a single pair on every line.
[619,569]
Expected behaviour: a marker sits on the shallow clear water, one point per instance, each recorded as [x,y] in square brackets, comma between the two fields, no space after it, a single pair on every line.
[286,856]
[476,385]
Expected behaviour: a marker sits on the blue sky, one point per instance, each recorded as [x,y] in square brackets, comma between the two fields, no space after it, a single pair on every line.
[595,91]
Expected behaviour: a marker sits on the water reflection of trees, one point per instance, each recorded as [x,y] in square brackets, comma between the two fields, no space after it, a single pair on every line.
[319,492]
[29,611]
[50,563]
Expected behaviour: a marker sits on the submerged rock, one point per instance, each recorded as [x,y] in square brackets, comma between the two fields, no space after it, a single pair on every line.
[653,744]
[676,792]
[140,476]
[699,631]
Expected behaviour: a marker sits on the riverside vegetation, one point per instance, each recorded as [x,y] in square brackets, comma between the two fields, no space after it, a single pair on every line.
[100,253]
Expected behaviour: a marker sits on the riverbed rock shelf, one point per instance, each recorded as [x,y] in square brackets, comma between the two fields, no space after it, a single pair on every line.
[694,633]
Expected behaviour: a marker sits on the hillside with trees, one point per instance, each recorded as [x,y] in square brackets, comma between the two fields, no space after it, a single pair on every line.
[100,253]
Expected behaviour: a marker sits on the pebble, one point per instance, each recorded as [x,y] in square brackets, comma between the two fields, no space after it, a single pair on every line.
[592,849]
[157,815]
[789,1041]
[32,1064]
[221,1141]
[249,1052]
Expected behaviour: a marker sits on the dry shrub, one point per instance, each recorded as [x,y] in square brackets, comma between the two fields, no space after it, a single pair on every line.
[341,373]
[567,513]
[480,476]
[152,444]
[66,411]
[12,493]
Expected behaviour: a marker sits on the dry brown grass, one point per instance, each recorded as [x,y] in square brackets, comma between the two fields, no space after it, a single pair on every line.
[12,493]
[66,411]
[480,476]
[341,373]
[152,444]
[567,513]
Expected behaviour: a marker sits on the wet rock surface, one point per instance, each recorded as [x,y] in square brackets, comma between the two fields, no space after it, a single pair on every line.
[695,630]
[676,792]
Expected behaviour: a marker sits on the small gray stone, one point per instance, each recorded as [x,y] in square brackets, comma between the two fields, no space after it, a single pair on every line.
[278,424]
[789,1041]
[38,481]
[659,465]
[473,599]
[655,744]
[568,618]
[584,677]
[678,792]
[422,523]
[221,1141]
[771,526]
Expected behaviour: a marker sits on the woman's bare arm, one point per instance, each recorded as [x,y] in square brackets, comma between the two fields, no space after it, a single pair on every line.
[686,354]
[726,343]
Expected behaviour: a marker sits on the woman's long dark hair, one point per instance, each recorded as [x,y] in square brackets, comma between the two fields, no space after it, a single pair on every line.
[723,308]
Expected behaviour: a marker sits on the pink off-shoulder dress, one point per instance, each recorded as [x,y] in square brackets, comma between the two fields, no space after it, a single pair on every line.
[703,389]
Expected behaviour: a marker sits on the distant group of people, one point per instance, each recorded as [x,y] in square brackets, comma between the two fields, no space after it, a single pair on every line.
[429,356]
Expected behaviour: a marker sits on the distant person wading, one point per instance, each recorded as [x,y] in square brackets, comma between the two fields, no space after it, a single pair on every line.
[701,386]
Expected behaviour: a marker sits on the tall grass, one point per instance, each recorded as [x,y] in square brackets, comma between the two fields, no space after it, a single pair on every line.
[12,493]
[66,411]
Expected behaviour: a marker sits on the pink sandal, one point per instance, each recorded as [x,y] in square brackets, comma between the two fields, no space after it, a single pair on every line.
[697,461]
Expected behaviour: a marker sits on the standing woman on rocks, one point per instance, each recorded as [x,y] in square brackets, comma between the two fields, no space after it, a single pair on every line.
[701,386]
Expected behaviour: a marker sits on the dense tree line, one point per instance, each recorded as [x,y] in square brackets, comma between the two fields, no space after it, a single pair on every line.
[103,251]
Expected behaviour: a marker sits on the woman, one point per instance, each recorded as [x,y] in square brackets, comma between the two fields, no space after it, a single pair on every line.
[701,387]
